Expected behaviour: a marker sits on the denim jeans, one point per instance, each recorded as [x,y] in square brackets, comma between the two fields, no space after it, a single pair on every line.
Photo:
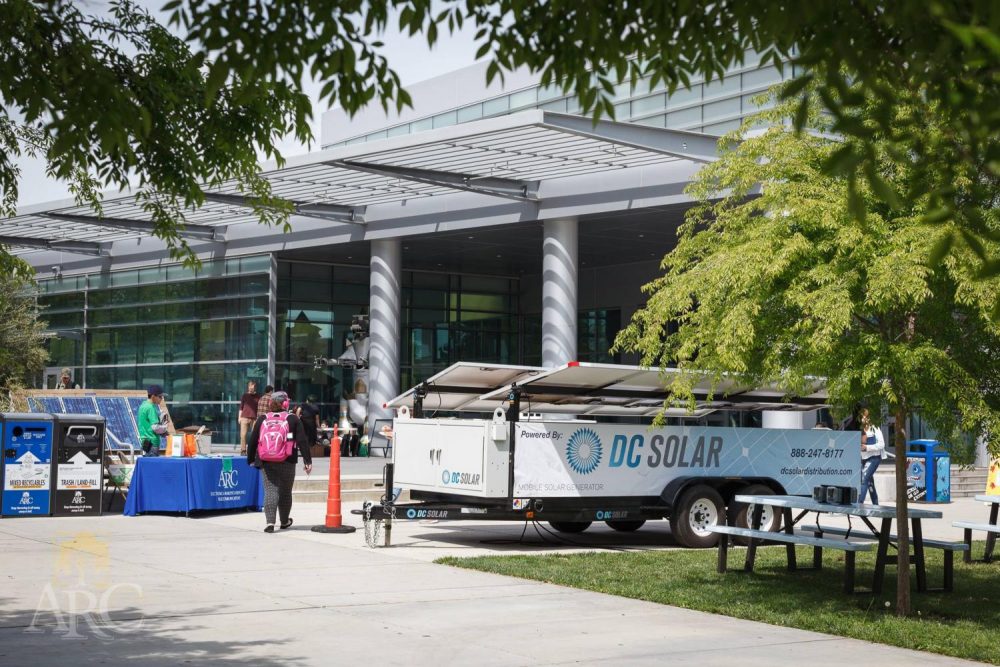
[868,468]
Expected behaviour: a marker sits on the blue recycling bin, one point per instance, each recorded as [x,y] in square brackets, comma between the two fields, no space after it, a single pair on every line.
[928,472]
[26,439]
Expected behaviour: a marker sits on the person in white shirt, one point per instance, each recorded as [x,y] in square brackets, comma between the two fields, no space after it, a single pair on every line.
[872,451]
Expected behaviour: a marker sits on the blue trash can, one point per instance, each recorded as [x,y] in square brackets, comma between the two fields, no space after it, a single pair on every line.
[928,472]
[26,439]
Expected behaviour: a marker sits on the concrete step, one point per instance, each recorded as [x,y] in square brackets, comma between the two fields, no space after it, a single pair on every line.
[353,488]
[353,496]
[317,483]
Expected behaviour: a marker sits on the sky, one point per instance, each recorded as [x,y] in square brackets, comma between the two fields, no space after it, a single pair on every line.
[409,56]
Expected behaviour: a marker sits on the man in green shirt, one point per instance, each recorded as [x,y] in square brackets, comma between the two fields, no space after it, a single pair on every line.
[149,417]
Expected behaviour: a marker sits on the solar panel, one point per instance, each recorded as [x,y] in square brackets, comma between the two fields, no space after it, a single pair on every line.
[120,425]
[80,405]
[117,411]
[617,390]
[459,386]
[134,404]
[51,404]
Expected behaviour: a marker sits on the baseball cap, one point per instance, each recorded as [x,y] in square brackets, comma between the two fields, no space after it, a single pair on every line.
[154,390]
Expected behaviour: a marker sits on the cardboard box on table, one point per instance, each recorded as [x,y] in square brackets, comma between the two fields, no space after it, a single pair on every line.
[189,441]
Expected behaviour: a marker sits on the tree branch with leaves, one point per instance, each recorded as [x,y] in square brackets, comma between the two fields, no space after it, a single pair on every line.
[776,279]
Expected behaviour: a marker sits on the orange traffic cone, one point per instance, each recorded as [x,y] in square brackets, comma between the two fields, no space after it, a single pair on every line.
[334,519]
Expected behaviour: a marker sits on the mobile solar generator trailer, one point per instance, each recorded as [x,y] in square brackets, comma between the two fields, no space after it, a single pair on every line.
[569,446]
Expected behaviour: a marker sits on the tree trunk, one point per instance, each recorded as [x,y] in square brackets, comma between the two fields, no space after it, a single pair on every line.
[902,517]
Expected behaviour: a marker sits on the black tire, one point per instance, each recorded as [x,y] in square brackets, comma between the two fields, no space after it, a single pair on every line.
[626,526]
[739,513]
[570,526]
[699,506]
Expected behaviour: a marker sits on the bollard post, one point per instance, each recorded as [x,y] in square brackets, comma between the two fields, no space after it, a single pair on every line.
[389,497]
[334,519]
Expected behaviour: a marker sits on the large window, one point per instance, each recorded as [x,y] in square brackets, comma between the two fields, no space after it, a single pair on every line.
[595,334]
[445,318]
[201,334]
[316,303]
[450,318]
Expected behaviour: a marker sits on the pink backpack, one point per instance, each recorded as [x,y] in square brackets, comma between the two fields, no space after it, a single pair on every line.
[276,442]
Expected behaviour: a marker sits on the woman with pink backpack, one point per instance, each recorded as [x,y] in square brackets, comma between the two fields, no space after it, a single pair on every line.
[274,445]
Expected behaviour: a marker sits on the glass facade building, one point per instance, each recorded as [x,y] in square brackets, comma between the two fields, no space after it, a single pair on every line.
[199,333]
[714,107]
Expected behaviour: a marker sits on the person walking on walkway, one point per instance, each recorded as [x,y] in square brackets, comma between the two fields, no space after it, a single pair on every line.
[279,476]
[264,402]
[308,413]
[872,451]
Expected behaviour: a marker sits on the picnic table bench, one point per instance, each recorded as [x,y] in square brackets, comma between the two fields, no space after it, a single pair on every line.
[791,539]
[883,535]
[948,548]
[991,529]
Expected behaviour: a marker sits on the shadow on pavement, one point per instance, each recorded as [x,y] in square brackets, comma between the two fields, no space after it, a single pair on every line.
[540,536]
[129,634]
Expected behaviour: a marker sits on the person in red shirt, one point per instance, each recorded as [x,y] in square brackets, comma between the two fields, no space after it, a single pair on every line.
[248,413]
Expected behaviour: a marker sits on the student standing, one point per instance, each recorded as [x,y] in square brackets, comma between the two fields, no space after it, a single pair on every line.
[248,413]
[264,402]
[149,419]
[308,412]
[66,380]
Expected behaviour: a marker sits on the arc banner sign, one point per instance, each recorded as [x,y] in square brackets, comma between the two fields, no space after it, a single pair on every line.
[553,459]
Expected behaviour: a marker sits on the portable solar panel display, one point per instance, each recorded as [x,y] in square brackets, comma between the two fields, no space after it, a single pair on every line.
[120,425]
[119,413]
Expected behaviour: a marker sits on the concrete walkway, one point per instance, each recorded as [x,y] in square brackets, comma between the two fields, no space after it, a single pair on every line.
[163,590]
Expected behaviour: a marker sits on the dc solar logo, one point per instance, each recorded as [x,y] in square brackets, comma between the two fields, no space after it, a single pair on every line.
[583,451]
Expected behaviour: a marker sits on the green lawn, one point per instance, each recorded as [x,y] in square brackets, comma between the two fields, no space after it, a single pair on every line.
[965,623]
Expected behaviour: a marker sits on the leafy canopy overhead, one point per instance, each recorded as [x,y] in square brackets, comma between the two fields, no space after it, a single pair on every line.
[774,279]
[948,50]
[22,349]
[111,96]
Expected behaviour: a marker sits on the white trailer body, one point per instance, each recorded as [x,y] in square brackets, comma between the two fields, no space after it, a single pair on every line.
[568,469]
[556,459]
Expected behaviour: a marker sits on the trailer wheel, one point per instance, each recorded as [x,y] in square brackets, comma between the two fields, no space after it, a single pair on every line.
[626,526]
[700,506]
[570,526]
[739,513]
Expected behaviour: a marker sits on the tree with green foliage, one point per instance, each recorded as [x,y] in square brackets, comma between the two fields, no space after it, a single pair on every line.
[22,339]
[108,96]
[775,279]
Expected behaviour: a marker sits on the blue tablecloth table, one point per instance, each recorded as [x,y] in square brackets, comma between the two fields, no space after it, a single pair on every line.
[166,484]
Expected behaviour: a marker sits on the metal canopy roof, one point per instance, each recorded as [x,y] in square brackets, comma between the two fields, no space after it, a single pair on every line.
[587,389]
[506,157]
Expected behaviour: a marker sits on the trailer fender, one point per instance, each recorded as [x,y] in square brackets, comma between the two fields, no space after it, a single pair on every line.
[672,491]
[726,486]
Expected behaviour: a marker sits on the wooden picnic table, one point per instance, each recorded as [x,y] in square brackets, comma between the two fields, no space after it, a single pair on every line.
[886,514]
